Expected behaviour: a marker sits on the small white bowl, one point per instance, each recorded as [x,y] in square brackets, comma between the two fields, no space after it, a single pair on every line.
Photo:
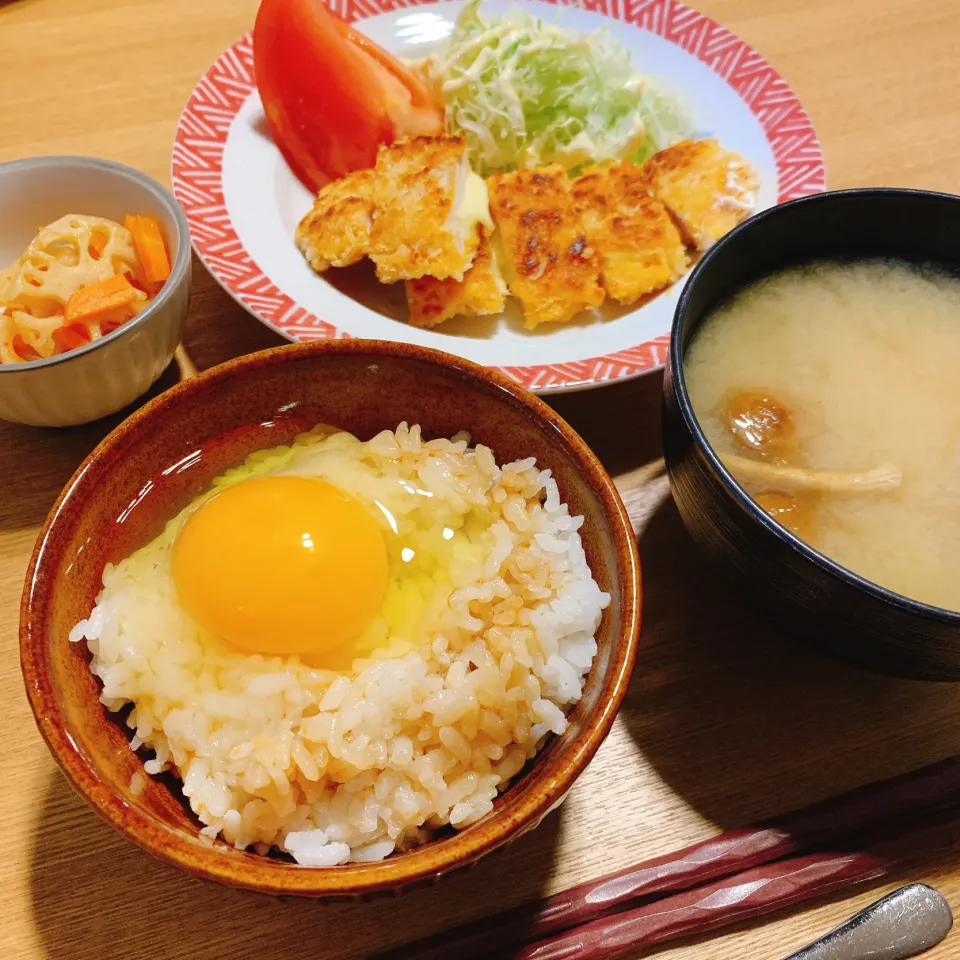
[107,374]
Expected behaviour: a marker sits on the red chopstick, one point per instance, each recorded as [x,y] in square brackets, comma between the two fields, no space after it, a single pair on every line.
[743,896]
[825,824]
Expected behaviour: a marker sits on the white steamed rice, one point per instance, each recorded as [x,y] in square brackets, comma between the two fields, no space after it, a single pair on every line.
[351,767]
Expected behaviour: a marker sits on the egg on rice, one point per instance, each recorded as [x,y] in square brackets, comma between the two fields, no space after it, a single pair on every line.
[346,645]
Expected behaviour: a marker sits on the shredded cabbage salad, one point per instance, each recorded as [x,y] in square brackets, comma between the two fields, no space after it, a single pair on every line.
[527,93]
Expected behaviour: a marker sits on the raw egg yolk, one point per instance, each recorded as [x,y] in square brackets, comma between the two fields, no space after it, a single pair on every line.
[282,565]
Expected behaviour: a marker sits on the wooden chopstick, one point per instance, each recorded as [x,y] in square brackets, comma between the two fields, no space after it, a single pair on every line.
[825,824]
[743,896]
[185,364]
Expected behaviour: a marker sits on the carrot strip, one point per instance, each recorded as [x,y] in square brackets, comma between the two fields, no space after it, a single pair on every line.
[97,245]
[148,239]
[70,337]
[91,302]
[109,322]
[144,285]
[23,349]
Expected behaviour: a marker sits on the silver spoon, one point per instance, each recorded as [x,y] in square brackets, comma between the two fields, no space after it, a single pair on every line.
[902,924]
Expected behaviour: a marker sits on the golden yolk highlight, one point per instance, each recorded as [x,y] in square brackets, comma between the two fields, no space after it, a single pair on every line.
[281,565]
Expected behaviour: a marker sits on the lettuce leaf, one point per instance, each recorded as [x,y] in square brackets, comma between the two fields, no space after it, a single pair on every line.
[526,93]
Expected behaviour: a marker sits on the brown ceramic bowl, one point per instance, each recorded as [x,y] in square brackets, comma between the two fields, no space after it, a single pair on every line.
[149,468]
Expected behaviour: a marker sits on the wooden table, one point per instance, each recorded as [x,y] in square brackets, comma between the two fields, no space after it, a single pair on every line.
[725,722]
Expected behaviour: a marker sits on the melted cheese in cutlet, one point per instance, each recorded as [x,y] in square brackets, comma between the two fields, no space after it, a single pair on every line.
[426,210]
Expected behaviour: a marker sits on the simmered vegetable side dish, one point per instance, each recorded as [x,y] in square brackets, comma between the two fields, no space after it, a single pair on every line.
[80,279]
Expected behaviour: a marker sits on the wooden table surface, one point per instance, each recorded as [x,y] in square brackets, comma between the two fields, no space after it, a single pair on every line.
[725,722]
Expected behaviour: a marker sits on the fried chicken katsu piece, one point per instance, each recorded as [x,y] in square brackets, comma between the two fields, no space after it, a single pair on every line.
[638,245]
[336,232]
[708,189]
[482,291]
[427,206]
[549,265]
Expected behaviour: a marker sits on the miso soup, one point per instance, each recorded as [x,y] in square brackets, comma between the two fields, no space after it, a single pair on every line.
[832,392]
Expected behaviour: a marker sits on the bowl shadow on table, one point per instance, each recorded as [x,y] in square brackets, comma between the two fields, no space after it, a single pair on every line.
[36,462]
[620,422]
[744,723]
[91,888]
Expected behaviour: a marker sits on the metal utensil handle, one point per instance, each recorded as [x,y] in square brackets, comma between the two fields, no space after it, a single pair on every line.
[903,924]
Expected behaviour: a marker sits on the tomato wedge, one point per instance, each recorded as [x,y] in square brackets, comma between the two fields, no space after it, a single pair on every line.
[330,95]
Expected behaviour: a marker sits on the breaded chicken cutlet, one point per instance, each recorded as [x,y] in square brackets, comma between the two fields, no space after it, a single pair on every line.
[423,217]
[481,292]
[639,247]
[414,214]
[708,189]
[427,204]
[550,267]
[336,232]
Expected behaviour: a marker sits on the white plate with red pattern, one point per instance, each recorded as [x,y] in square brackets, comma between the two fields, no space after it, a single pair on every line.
[243,203]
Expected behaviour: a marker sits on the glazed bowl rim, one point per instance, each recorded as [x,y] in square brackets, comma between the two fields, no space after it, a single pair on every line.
[831,568]
[178,269]
[263,874]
